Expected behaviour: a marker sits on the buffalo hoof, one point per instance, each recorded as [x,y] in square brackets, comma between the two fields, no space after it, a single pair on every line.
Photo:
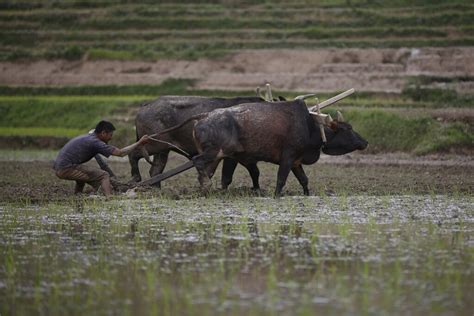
[205,183]
[277,195]
[258,192]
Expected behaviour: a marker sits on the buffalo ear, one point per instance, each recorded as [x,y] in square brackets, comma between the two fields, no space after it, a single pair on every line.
[333,125]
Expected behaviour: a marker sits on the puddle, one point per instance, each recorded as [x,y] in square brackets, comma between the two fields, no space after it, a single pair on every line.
[251,255]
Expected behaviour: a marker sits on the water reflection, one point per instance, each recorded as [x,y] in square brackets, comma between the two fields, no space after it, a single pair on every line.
[252,256]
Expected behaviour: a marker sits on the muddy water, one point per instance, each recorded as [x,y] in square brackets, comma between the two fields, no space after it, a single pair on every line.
[239,255]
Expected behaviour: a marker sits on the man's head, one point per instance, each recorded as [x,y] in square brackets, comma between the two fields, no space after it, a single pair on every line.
[104,131]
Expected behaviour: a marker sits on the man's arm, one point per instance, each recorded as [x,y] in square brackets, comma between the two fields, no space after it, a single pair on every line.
[103,165]
[126,150]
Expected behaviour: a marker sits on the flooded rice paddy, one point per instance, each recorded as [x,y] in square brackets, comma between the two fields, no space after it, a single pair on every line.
[239,255]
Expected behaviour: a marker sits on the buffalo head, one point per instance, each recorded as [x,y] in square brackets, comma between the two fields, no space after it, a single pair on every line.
[342,139]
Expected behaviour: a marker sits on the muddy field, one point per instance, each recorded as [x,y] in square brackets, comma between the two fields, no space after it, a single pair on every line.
[388,234]
[380,233]
[385,234]
[28,176]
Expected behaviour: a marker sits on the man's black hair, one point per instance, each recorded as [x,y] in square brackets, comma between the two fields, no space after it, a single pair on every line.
[104,126]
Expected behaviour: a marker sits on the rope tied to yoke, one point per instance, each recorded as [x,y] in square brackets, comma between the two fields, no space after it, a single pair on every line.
[170,144]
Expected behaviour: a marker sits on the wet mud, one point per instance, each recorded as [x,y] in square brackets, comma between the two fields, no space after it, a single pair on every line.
[373,238]
[34,180]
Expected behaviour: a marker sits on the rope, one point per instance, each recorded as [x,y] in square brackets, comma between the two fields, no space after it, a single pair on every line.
[170,144]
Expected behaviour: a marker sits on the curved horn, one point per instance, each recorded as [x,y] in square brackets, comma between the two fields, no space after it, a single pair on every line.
[340,118]
[259,94]
[329,119]
[305,96]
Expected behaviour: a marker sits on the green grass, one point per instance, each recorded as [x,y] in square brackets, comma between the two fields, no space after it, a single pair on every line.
[59,112]
[72,115]
[40,131]
[388,131]
[446,97]
[190,50]
[411,97]
[169,86]
[71,110]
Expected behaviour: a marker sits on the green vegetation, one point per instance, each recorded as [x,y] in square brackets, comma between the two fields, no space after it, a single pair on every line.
[192,29]
[71,110]
[445,97]
[40,131]
[61,112]
[388,131]
[170,86]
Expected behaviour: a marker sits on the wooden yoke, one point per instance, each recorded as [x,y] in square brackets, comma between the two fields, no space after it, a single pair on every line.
[321,121]
[268,94]
[325,119]
[332,100]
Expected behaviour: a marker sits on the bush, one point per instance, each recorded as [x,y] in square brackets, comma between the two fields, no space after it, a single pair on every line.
[386,131]
[445,97]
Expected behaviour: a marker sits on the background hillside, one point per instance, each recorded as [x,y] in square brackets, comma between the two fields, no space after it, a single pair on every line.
[127,30]
[66,64]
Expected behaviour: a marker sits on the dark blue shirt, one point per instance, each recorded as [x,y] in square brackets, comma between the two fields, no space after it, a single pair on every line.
[81,149]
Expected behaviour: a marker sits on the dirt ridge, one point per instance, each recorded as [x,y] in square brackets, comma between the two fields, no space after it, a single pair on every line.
[320,70]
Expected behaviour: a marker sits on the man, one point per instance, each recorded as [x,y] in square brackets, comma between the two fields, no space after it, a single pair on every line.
[69,164]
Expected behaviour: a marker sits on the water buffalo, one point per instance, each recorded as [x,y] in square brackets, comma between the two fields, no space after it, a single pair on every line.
[284,133]
[167,111]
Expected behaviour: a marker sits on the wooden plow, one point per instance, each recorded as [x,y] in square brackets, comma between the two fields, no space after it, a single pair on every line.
[167,174]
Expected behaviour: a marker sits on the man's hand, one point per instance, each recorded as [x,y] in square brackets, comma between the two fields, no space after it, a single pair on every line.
[126,150]
[144,140]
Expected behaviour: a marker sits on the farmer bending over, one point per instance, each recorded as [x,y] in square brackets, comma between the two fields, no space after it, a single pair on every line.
[69,162]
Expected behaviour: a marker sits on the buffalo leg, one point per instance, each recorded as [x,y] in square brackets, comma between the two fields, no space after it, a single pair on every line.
[283,171]
[211,168]
[302,178]
[159,164]
[133,158]
[228,168]
[203,163]
[254,174]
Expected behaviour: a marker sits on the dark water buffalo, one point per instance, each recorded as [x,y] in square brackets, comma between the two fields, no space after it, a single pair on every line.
[167,111]
[284,133]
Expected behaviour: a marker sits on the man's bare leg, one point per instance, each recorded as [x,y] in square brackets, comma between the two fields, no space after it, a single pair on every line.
[79,187]
[106,186]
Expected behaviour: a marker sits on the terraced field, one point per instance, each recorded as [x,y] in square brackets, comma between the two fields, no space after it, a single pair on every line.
[191,29]
[67,64]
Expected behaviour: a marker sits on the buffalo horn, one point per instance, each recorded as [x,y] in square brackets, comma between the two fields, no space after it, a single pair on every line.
[305,96]
[324,119]
[340,118]
[260,94]
[329,119]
